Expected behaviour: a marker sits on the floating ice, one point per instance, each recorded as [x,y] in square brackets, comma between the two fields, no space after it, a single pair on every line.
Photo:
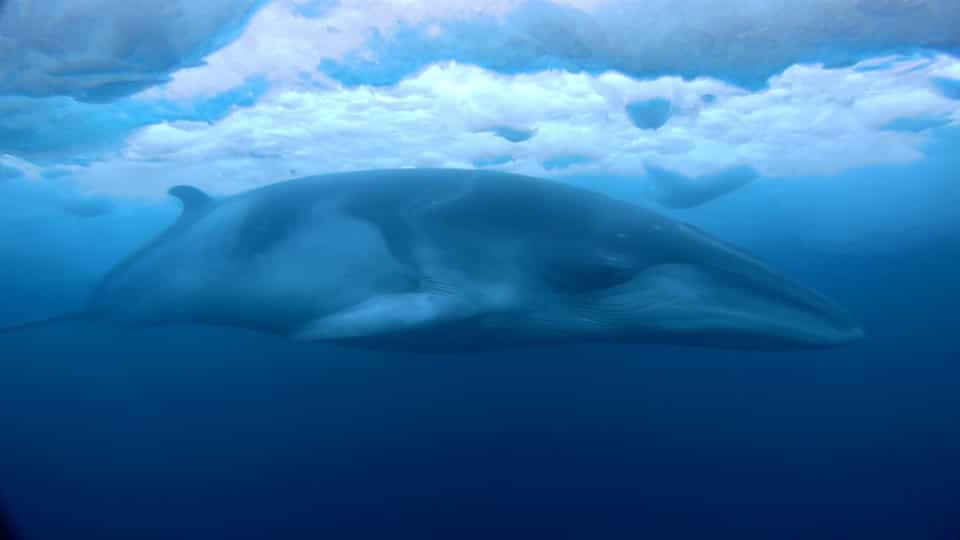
[99,50]
[810,121]
[62,128]
[745,42]
[678,191]
[536,87]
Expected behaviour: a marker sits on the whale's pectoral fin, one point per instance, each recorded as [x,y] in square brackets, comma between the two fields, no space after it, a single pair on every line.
[386,314]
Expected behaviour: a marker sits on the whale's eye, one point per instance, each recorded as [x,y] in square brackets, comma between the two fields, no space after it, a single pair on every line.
[602,271]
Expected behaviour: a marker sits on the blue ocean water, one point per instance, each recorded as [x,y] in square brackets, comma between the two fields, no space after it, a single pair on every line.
[847,111]
[195,432]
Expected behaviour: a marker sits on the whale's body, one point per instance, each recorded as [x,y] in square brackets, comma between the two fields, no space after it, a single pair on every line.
[441,260]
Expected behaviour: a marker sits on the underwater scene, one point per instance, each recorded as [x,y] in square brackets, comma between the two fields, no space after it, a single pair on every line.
[480,269]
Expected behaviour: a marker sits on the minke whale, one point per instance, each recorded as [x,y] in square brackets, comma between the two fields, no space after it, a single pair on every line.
[440,260]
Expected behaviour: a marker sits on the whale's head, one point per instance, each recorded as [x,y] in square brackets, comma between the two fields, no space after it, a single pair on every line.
[646,278]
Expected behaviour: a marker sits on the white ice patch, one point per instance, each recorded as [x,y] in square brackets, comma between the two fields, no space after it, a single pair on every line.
[811,120]
[285,46]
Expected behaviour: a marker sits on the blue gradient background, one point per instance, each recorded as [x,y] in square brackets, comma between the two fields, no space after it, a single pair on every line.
[194,432]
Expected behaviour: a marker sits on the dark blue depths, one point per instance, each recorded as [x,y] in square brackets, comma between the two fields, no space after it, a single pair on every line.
[187,432]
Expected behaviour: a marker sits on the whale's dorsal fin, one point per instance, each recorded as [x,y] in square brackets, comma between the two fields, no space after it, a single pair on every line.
[194,201]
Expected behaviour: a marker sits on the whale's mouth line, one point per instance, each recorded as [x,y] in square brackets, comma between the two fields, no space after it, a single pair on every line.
[779,290]
[738,322]
[749,303]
